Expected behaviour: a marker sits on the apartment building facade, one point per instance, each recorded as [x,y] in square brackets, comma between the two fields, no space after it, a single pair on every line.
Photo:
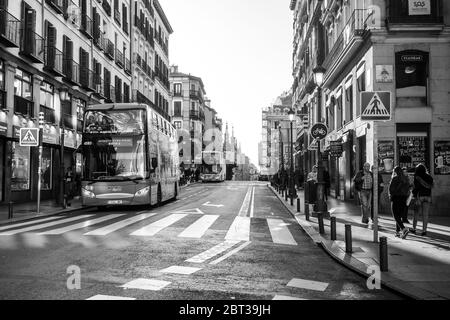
[84,48]
[394,46]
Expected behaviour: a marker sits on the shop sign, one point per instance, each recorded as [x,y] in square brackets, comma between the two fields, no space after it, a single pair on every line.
[49,136]
[442,157]
[69,139]
[16,132]
[386,156]
[336,148]
[417,8]
[3,128]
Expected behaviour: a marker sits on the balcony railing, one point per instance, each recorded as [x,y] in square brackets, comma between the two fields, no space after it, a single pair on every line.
[49,114]
[109,49]
[119,58]
[119,96]
[355,27]
[117,16]
[107,7]
[71,70]
[128,66]
[178,93]
[107,93]
[9,29]
[87,26]
[87,79]
[112,94]
[194,114]
[32,46]
[99,86]
[23,106]
[398,12]
[54,60]
[58,5]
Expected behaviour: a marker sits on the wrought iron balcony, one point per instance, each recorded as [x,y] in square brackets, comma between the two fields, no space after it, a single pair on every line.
[71,70]
[194,114]
[118,96]
[178,93]
[57,5]
[110,93]
[23,106]
[398,12]
[54,61]
[87,26]
[128,66]
[99,86]
[107,7]
[109,49]
[32,46]
[119,58]
[9,29]
[117,16]
[87,79]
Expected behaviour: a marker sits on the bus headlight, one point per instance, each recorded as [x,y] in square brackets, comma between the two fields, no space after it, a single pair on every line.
[142,192]
[87,193]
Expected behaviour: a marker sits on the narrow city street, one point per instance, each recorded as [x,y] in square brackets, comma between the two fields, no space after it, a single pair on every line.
[225,241]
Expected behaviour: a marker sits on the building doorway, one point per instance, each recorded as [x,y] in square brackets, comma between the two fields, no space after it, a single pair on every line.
[2,169]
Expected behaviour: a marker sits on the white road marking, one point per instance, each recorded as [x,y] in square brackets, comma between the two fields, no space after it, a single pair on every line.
[280,232]
[239,229]
[281,297]
[308,284]
[28,223]
[199,227]
[190,211]
[210,253]
[252,205]
[146,284]
[208,204]
[244,208]
[45,225]
[242,246]
[80,225]
[104,297]
[157,226]
[119,225]
[180,270]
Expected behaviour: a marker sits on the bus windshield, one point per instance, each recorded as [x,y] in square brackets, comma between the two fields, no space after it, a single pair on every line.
[114,146]
[212,162]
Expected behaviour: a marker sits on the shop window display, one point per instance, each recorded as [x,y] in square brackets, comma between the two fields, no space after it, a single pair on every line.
[20,168]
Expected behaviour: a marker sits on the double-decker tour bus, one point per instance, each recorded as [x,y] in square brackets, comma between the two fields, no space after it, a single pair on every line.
[130,156]
[214,167]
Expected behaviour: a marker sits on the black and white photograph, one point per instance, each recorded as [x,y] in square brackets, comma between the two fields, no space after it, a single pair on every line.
[224,157]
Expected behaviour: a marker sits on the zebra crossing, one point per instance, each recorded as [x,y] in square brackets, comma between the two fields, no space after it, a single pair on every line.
[239,229]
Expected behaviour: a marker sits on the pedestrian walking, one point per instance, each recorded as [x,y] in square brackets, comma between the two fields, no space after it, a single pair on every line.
[327,180]
[69,179]
[423,184]
[380,191]
[363,181]
[398,194]
[313,174]
[410,196]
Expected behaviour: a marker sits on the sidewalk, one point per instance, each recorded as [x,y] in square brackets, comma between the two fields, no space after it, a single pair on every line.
[419,267]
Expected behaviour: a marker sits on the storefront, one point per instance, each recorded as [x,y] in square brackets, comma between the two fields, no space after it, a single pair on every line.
[3,130]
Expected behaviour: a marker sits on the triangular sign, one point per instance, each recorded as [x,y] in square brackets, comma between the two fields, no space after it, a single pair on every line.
[376,107]
[29,137]
[190,211]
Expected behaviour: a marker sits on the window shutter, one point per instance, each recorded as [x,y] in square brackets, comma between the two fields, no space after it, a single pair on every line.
[124,18]
[51,44]
[96,19]
[3,4]
[29,15]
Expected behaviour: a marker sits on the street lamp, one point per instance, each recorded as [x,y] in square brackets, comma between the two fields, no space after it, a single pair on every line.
[64,98]
[321,204]
[291,114]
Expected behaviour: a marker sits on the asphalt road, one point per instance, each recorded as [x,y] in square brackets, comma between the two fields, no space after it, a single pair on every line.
[224,241]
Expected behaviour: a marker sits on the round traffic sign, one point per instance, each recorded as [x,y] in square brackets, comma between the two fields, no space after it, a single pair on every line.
[319,131]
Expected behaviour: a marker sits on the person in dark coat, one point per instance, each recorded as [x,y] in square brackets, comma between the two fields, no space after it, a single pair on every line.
[69,180]
[398,193]
[326,179]
[423,184]
[380,191]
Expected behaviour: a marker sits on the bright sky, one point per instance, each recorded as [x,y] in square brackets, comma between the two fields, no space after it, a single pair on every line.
[242,50]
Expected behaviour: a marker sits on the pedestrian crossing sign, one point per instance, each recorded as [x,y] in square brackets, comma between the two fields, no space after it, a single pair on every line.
[29,137]
[376,106]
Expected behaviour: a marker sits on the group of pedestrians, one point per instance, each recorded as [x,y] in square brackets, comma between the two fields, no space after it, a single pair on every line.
[188,175]
[402,195]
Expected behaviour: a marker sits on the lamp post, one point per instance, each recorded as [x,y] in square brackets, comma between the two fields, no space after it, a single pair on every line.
[321,204]
[41,135]
[291,114]
[64,98]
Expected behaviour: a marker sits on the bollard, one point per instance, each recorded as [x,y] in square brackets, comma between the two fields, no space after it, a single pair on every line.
[307,211]
[383,254]
[10,210]
[285,195]
[321,226]
[298,204]
[333,228]
[292,200]
[348,238]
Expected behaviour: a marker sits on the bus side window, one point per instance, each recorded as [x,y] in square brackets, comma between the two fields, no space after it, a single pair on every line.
[154,164]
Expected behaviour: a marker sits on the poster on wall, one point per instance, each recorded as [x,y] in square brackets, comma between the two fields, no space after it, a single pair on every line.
[418,8]
[386,156]
[442,157]
[412,151]
[384,73]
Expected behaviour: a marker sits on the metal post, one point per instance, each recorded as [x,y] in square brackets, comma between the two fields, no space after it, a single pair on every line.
[41,135]
[383,254]
[375,184]
[298,204]
[62,165]
[307,211]
[348,238]
[292,166]
[321,226]
[333,228]
[10,210]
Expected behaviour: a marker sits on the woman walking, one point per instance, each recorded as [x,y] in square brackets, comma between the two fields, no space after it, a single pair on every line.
[423,183]
[398,193]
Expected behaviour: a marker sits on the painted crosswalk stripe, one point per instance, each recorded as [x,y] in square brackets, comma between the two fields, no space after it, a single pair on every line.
[280,232]
[146,284]
[242,246]
[199,227]
[28,223]
[180,270]
[252,203]
[45,225]
[246,203]
[80,225]
[308,284]
[239,229]
[105,297]
[119,225]
[214,251]
[281,297]
[159,225]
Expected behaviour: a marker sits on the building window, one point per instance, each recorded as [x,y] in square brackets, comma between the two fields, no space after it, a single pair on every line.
[177,108]
[361,83]
[47,95]
[22,85]
[349,104]
[47,174]
[2,75]
[177,124]
[20,180]
[177,89]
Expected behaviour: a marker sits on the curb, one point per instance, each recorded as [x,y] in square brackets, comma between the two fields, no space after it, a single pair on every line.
[334,251]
